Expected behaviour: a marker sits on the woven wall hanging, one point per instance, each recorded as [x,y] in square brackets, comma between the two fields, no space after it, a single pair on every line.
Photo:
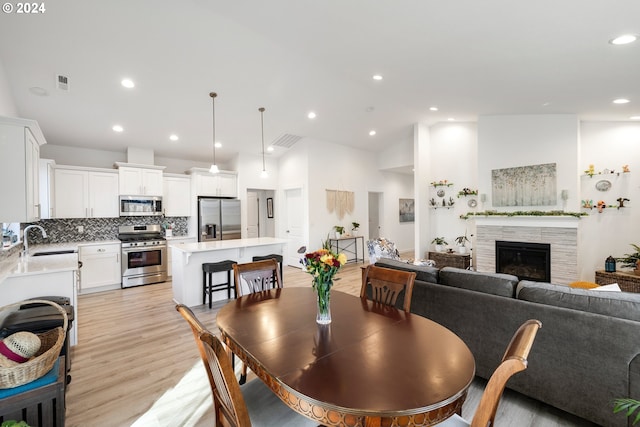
[340,201]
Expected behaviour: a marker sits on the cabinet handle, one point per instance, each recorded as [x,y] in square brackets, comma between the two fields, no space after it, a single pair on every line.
[86,212]
[101,250]
[117,258]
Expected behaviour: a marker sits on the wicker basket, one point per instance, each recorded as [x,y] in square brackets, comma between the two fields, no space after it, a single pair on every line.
[51,344]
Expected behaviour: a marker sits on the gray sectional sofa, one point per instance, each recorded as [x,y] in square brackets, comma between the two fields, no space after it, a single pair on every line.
[585,355]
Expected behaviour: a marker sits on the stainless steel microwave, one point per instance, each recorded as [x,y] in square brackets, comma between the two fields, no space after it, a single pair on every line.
[140,205]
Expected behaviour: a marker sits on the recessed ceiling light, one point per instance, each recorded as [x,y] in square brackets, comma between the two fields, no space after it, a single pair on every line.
[634,118]
[377,77]
[218,144]
[128,83]
[270,148]
[372,132]
[624,39]
[38,91]
[433,108]
[117,128]
[173,137]
[450,119]
[311,115]
[621,101]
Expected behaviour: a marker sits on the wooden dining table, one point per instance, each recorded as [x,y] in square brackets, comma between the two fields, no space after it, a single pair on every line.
[373,365]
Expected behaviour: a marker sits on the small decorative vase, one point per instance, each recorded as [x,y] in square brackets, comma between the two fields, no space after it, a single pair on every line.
[338,234]
[323,290]
[462,249]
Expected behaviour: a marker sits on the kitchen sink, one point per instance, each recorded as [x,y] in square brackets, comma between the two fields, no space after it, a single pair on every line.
[66,251]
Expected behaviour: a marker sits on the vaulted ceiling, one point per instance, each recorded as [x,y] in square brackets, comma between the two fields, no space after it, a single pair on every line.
[465,57]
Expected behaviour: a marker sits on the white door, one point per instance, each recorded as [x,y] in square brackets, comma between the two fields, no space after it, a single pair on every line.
[374,215]
[295,225]
[253,217]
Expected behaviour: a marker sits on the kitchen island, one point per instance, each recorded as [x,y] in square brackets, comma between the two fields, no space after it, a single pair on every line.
[187,260]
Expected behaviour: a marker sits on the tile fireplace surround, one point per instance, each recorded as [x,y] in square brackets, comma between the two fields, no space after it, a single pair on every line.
[560,232]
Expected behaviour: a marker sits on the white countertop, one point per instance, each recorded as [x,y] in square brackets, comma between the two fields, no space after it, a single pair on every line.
[16,266]
[169,239]
[227,244]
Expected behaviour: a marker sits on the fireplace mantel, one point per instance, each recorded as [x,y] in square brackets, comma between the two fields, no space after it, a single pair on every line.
[527,221]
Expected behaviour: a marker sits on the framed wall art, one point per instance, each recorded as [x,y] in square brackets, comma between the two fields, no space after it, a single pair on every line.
[269,207]
[524,186]
[407,211]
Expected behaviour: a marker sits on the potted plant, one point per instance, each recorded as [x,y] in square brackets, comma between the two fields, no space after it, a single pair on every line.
[354,227]
[339,230]
[632,260]
[461,242]
[629,406]
[439,242]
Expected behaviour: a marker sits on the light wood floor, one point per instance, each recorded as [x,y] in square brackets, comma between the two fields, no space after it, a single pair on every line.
[134,346]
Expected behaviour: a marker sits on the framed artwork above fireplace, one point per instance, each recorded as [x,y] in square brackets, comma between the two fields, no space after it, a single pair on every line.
[524,186]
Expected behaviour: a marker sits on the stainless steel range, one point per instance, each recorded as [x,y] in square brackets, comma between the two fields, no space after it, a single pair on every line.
[144,255]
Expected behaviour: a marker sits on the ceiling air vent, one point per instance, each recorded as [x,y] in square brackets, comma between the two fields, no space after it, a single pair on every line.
[62,82]
[286,140]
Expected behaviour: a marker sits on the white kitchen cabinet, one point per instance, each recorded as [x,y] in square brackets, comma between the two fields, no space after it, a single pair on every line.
[85,193]
[176,199]
[101,267]
[20,142]
[139,181]
[176,241]
[47,176]
[222,184]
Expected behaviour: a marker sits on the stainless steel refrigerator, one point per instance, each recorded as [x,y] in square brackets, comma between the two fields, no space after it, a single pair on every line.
[218,219]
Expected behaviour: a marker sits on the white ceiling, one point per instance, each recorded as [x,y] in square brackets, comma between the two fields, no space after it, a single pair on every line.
[467,57]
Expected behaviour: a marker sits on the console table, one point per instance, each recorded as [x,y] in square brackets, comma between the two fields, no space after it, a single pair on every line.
[349,246]
[445,259]
[628,282]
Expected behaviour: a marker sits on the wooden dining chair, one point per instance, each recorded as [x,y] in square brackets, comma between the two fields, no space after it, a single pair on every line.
[513,361]
[253,404]
[258,276]
[386,285]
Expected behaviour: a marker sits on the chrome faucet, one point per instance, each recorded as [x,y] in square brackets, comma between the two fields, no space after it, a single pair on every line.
[25,250]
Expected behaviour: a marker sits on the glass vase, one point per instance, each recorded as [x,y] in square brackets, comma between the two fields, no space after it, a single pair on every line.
[324,307]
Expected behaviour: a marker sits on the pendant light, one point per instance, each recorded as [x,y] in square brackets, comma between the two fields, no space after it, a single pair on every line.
[264,173]
[214,166]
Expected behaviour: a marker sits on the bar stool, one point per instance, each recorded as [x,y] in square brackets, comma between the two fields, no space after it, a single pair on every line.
[272,256]
[208,268]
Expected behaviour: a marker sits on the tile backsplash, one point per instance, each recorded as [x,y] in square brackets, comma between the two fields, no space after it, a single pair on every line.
[66,230]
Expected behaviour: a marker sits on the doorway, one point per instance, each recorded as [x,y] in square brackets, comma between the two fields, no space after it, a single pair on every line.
[260,220]
[375,212]
[294,223]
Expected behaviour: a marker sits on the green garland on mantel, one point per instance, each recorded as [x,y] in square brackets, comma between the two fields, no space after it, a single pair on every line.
[524,213]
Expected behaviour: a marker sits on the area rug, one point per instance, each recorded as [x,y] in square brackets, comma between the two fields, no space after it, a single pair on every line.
[182,405]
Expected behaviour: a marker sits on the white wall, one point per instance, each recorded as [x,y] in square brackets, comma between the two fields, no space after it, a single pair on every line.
[524,140]
[7,105]
[293,173]
[249,169]
[398,155]
[316,166]
[609,145]
[88,157]
[454,157]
